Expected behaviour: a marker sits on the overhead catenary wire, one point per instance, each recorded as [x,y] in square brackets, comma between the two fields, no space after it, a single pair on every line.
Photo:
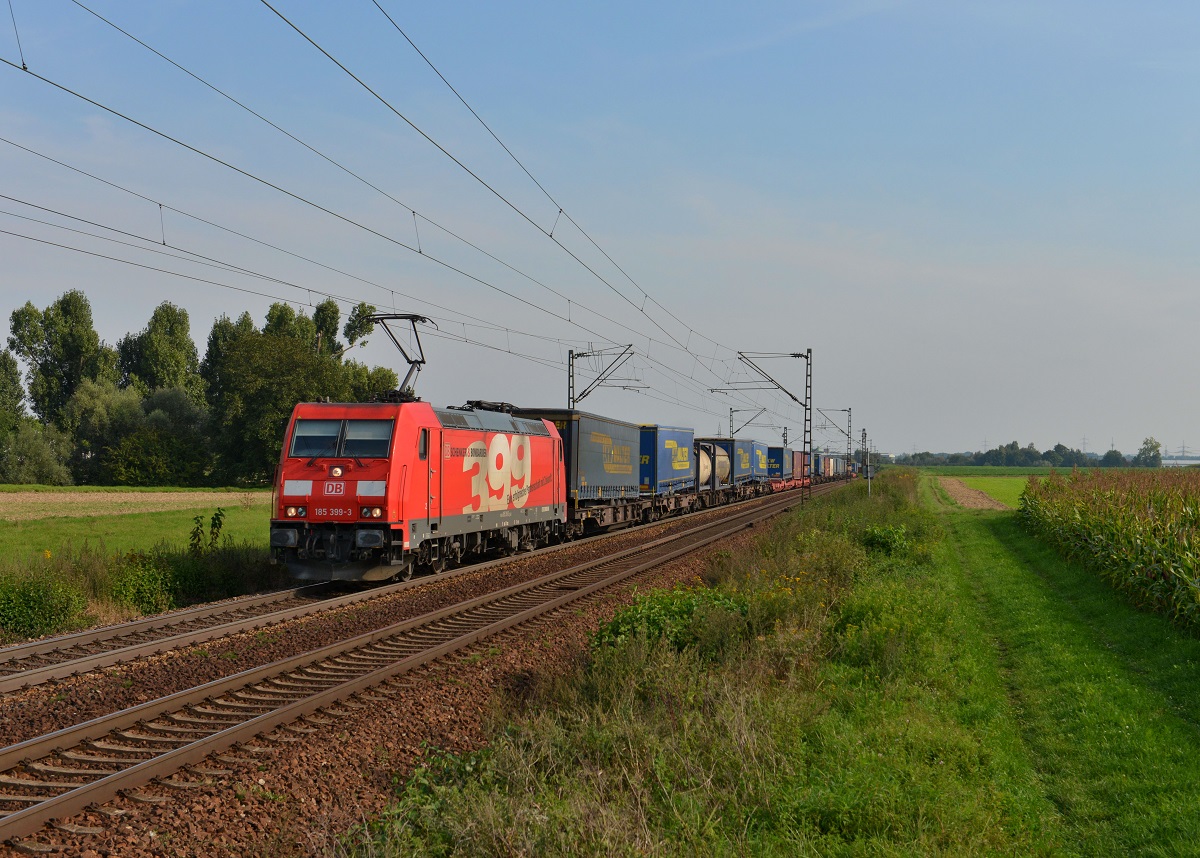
[469,171]
[144,197]
[298,197]
[319,153]
[202,259]
[309,292]
[247,237]
[17,33]
[304,200]
[650,340]
[561,212]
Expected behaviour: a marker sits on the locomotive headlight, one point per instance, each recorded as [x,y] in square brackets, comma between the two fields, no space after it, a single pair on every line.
[302,511]
[371,512]
[336,471]
[291,512]
[376,512]
[365,512]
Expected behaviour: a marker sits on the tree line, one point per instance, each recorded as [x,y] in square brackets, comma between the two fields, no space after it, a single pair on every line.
[1059,456]
[149,412]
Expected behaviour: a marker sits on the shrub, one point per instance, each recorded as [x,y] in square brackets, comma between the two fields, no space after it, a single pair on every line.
[707,620]
[143,582]
[888,539]
[33,606]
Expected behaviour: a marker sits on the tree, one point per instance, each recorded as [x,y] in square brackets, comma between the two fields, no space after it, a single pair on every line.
[62,349]
[162,355]
[359,325]
[1149,456]
[365,383]
[1113,459]
[98,416]
[263,376]
[35,455]
[12,394]
[283,321]
[220,339]
[326,317]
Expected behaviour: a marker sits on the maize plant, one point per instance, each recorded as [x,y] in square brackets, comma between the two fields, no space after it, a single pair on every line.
[1139,529]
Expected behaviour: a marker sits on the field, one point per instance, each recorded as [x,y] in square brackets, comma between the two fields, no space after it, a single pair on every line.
[1136,528]
[36,521]
[1007,490]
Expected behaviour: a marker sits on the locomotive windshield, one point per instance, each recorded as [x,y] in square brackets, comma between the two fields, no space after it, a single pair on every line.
[367,438]
[362,439]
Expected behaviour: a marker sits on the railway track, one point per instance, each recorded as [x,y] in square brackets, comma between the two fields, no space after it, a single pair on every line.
[168,740]
[38,662]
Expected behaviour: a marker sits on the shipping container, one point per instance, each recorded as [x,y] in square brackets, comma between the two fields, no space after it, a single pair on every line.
[712,464]
[779,463]
[601,454]
[759,470]
[827,465]
[799,464]
[668,463]
[747,459]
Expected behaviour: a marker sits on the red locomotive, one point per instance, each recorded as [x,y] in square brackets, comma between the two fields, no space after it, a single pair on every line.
[369,492]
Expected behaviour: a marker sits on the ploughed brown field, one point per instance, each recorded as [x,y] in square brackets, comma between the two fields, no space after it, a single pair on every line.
[26,506]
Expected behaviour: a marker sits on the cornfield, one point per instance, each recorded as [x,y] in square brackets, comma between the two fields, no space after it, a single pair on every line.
[1139,529]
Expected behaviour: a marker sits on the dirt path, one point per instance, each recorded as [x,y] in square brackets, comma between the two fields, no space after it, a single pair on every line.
[968,497]
[25,506]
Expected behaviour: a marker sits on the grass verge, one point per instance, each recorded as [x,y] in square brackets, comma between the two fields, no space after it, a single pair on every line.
[988,470]
[1107,697]
[831,694]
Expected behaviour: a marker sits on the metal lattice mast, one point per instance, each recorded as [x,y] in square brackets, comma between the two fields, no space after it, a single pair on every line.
[806,490]
[849,440]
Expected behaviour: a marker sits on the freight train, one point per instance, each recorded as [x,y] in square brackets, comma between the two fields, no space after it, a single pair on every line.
[377,491]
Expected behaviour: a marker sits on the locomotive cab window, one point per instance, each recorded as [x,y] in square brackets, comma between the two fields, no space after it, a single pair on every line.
[316,438]
[326,439]
[367,439]
[423,445]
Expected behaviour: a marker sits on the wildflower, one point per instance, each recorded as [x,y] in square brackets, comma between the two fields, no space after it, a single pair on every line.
[46,554]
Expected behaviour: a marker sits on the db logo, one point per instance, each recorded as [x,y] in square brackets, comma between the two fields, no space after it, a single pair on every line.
[335,488]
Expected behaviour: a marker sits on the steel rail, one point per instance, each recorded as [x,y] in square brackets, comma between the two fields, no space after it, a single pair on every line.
[25,677]
[344,668]
[18,652]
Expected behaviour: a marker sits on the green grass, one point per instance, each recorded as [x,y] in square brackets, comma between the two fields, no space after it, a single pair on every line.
[137,531]
[875,679]
[1007,490]
[1107,698]
[853,706]
[62,574]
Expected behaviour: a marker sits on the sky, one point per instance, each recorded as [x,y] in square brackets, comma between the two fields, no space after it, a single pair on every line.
[980,217]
